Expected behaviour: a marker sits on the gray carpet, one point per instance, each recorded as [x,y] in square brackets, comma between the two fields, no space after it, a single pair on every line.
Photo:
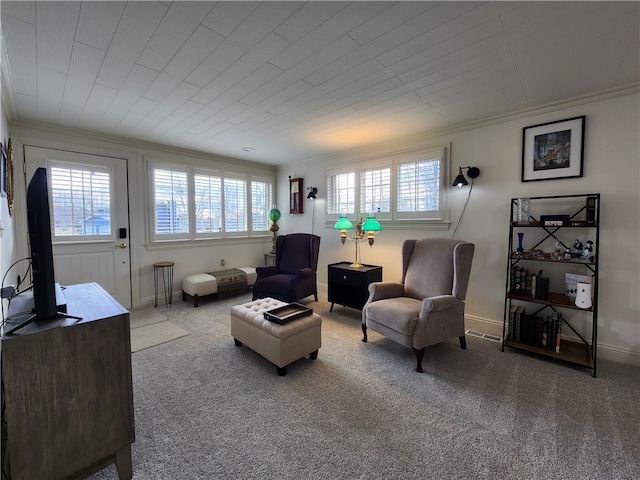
[206,409]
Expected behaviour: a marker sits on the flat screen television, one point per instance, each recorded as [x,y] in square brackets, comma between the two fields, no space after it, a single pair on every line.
[39,223]
[43,301]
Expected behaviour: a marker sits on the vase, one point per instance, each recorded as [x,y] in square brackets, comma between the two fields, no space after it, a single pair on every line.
[583,295]
[524,205]
[520,248]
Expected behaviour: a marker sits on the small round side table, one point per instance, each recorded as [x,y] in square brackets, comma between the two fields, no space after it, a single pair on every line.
[166,268]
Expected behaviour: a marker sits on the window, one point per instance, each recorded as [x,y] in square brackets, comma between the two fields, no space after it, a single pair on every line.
[171,202]
[195,203]
[341,188]
[80,201]
[261,201]
[402,187]
[208,204]
[375,190]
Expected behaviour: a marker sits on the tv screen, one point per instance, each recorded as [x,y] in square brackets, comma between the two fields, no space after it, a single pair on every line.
[39,223]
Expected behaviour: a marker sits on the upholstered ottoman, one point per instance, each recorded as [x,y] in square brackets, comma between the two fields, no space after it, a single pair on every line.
[202,284]
[280,344]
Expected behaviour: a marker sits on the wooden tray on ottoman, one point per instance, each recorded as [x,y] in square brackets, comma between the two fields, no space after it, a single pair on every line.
[282,315]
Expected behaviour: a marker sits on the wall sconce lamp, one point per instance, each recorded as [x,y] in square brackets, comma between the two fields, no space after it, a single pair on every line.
[312,192]
[370,227]
[274,215]
[460,181]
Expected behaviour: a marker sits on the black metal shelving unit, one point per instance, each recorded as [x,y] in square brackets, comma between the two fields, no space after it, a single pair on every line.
[580,216]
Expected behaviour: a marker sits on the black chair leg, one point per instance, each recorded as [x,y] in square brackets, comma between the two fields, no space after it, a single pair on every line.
[364,331]
[463,342]
[419,357]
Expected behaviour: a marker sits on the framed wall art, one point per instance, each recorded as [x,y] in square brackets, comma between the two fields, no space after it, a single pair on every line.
[8,177]
[553,150]
[3,172]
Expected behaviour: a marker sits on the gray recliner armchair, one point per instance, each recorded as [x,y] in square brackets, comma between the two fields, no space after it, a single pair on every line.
[427,306]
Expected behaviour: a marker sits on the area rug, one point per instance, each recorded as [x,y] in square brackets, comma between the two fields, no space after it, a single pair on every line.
[150,328]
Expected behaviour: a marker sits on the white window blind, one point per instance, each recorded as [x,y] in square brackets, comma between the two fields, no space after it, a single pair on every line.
[261,201]
[208,203]
[171,202]
[419,186]
[341,193]
[375,190]
[235,205]
[80,201]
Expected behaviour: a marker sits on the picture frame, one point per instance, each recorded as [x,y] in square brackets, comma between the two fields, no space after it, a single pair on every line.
[8,176]
[3,172]
[553,150]
[295,195]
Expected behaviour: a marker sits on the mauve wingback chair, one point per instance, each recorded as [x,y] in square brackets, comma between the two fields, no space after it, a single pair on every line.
[293,277]
[427,306]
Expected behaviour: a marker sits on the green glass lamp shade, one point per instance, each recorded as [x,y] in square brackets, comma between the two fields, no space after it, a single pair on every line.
[343,224]
[274,215]
[371,225]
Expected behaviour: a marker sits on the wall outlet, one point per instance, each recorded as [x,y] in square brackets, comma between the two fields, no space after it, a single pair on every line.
[222,262]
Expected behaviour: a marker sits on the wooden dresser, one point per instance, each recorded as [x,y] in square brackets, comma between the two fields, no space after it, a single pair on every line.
[69,393]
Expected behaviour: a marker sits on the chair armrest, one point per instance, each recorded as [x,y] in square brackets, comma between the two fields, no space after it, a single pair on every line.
[305,272]
[262,272]
[438,304]
[380,290]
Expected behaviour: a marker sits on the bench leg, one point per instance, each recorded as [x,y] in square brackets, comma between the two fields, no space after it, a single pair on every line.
[282,371]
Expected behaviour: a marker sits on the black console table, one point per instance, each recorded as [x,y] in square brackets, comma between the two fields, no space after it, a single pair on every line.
[68,390]
[349,286]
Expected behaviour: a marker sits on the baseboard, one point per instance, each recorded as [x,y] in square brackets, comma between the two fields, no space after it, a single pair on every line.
[605,351]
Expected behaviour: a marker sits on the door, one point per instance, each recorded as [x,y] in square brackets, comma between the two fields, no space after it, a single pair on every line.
[88,198]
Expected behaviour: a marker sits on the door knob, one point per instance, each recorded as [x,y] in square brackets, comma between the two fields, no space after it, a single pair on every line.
[122,245]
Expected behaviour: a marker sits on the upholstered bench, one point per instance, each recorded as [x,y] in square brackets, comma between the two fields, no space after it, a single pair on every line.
[280,344]
[225,283]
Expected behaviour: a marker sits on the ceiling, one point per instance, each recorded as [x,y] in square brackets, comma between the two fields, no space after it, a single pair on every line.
[300,80]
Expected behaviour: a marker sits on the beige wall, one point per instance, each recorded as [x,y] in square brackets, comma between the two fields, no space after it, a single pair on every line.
[612,160]
[611,167]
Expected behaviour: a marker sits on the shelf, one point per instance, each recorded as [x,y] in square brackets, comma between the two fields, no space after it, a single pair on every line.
[554,300]
[548,257]
[573,352]
[574,224]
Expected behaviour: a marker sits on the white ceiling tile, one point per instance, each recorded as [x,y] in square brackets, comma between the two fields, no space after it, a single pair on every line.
[55,28]
[135,115]
[198,47]
[254,60]
[178,24]
[166,107]
[132,89]
[256,27]
[183,112]
[139,21]
[83,69]
[307,18]
[390,19]
[50,91]
[20,42]
[21,10]
[98,22]
[227,16]
[70,115]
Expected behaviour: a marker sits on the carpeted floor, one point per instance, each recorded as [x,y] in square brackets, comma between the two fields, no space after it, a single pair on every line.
[206,409]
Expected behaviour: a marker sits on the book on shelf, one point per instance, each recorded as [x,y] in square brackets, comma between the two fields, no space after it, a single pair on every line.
[515,320]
